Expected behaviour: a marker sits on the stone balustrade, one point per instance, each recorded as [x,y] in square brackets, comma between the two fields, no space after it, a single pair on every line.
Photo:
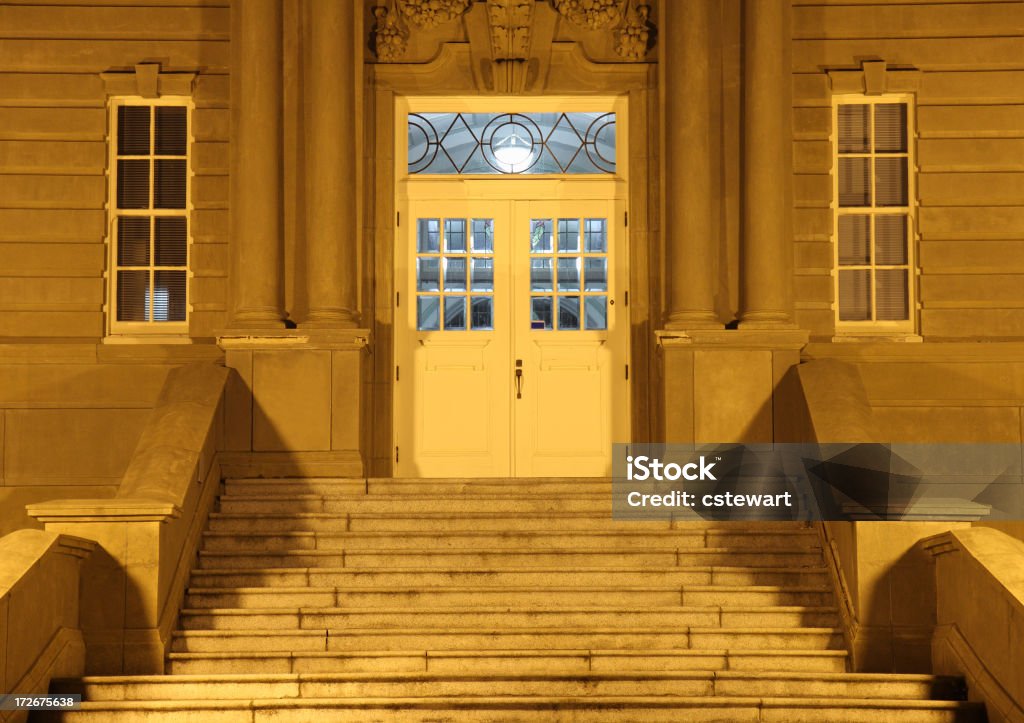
[979,580]
[40,637]
[148,534]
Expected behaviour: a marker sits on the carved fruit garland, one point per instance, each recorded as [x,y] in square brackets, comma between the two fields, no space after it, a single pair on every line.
[430,13]
[590,14]
[634,35]
[389,40]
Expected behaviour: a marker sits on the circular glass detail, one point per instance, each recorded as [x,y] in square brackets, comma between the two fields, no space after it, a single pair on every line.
[511,143]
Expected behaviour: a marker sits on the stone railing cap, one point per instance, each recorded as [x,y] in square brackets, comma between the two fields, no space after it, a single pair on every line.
[120,509]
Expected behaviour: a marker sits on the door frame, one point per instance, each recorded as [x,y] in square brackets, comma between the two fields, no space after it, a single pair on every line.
[630,89]
[526,187]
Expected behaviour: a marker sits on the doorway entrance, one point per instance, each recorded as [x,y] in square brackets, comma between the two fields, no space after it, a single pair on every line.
[511,328]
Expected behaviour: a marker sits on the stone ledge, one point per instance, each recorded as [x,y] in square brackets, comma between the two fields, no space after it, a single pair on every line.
[732,338]
[121,509]
[289,339]
[926,351]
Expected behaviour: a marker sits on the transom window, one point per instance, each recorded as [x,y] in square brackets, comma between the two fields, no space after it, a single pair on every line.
[874,212]
[149,215]
[511,143]
[568,273]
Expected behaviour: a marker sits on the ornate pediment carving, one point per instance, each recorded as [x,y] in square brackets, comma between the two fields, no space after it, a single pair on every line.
[390,39]
[633,37]
[511,25]
[590,14]
[430,13]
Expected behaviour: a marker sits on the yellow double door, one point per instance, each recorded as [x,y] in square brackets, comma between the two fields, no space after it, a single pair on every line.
[511,338]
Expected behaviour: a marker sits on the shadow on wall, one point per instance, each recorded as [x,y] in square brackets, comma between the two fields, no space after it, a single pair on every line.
[885,579]
[293,408]
[147,535]
[69,424]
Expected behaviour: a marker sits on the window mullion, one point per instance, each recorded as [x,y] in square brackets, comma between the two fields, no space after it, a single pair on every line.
[151,293]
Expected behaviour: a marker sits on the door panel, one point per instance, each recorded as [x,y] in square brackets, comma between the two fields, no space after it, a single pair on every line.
[452,393]
[568,335]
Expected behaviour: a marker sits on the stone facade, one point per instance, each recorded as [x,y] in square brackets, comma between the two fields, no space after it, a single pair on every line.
[292,220]
[730,203]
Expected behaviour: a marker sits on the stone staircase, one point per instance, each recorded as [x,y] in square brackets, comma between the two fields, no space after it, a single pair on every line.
[501,600]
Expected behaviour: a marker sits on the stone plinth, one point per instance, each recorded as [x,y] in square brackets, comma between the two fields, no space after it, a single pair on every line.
[296,404]
[121,601]
[719,385]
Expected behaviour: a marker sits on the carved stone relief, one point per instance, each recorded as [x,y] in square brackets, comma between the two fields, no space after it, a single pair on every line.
[511,24]
[634,35]
[430,13]
[590,14]
[389,37]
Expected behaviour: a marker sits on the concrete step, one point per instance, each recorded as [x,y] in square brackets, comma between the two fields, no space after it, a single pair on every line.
[523,638]
[619,539]
[416,685]
[497,577]
[318,617]
[471,521]
[409,486]
[619,595]
[584,709]
[525,504]
[506,662]
[664,557]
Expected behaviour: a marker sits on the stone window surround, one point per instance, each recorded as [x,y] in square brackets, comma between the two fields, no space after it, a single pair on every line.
[877,78]
[145,82]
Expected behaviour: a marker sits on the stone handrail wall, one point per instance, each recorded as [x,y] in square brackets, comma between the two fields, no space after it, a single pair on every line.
[71,416]
[149,532]
[980,616]
[884,579]
[39,623]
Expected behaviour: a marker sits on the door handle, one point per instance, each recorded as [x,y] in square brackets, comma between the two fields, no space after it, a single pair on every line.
[519,378]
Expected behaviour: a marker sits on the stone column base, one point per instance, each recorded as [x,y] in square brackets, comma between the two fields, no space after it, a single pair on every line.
[297,400]
[719,385]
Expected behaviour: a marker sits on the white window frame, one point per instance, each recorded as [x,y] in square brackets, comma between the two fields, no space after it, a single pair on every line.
[128,331]
[903,329]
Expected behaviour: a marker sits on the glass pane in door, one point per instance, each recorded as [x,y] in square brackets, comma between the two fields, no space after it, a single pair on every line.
[569,278]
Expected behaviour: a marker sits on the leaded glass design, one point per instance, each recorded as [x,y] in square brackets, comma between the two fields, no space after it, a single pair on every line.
[454,274]
[568,278]
[511,143]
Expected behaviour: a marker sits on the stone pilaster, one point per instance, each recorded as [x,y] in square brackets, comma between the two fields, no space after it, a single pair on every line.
[256,165]
[766,247]
[332,158]
[689,233]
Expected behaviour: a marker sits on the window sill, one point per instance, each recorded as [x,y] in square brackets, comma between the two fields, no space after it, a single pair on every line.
[147,339]
[876,335]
